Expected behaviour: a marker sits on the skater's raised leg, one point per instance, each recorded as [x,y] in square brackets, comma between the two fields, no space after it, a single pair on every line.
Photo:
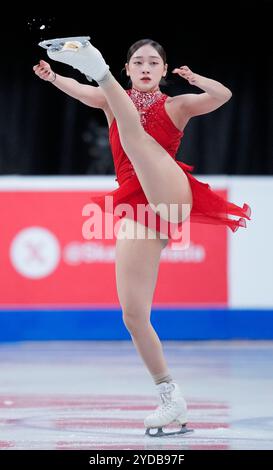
[162,180]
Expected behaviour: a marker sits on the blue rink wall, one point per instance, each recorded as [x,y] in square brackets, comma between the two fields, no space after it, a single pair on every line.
[107,324]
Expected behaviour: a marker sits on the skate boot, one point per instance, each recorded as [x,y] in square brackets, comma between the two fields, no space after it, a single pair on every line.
[79,53]
[173,409]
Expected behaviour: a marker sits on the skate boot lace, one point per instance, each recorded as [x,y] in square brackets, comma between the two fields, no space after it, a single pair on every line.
[166,402]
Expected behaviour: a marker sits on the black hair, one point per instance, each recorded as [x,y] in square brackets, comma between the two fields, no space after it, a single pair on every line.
[144,42]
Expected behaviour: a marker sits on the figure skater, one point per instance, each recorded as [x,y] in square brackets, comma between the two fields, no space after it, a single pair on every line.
[145,128]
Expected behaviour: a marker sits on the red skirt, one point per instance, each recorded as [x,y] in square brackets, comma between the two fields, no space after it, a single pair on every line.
[208,207]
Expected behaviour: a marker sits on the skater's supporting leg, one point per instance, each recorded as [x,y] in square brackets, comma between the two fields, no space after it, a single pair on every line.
[162,378]
[137,262]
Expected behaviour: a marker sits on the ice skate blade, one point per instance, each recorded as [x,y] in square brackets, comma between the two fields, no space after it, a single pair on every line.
[161,433]
[58,43]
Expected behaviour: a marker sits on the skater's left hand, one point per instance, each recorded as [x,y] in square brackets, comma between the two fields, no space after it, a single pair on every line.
[186,73]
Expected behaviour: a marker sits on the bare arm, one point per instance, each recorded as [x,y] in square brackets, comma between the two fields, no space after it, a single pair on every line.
[215,94]
[87,94]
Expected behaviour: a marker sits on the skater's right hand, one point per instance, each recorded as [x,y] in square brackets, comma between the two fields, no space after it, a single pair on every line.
[43,70]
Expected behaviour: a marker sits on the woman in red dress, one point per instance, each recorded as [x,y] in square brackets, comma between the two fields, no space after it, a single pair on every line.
[145,128]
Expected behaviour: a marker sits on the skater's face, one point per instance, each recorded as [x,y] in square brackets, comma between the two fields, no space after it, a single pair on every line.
[146,68]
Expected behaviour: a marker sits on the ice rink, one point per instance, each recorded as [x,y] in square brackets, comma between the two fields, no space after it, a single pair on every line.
[95,395]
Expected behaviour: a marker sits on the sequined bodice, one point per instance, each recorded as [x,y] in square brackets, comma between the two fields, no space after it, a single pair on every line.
[144,100]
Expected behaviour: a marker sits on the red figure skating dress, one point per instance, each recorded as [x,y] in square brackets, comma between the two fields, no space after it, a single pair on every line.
[208,207]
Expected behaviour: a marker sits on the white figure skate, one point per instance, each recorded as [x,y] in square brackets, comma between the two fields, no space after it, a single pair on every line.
[172,409]
[79,53]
